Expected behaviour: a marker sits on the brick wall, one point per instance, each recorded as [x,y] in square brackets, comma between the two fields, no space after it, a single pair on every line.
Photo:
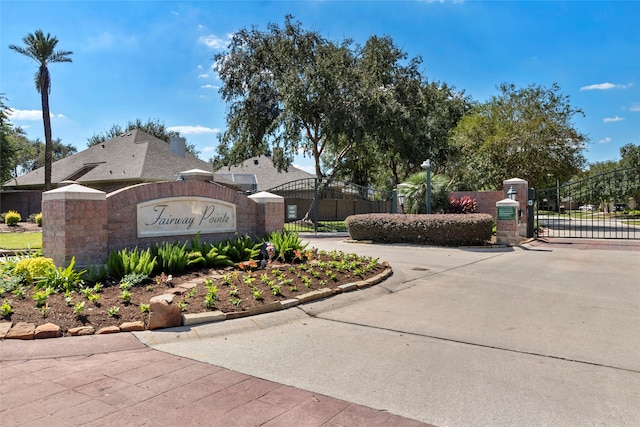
[122,211]
[23,202]
[87,224]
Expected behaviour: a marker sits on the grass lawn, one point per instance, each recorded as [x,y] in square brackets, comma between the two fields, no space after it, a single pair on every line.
[14,241]
[323,226]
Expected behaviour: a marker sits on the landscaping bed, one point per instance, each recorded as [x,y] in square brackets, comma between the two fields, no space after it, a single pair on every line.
[237,292]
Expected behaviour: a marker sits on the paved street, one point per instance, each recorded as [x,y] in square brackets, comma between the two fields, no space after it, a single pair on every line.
[544,334]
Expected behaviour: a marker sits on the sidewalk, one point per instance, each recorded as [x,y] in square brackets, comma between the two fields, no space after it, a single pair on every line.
[114,380]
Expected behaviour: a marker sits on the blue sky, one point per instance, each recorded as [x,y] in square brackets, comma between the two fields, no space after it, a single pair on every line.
[152,59]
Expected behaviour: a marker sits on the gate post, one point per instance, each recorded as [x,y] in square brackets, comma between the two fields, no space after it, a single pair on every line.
[530,212]
[74,225]
[521,188]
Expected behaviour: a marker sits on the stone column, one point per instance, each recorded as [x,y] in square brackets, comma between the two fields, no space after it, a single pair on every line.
[74,224]
[270,211]
[507,223]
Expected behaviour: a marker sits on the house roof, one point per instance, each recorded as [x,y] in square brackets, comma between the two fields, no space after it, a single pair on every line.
[133,156]
[266,174]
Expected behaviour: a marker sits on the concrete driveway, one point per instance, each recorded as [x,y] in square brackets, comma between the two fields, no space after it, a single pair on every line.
[537,335]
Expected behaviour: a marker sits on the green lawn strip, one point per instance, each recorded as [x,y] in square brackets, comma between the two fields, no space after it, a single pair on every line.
[17,241]
[323,226]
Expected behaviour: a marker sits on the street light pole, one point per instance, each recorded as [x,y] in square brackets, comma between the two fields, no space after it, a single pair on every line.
[427,165]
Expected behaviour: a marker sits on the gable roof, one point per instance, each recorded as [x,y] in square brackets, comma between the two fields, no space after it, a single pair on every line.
[266,174]
[133,156]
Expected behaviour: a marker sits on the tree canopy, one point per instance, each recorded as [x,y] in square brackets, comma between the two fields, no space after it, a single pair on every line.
[7,148]
[355,110]
[520,133]
[153,127]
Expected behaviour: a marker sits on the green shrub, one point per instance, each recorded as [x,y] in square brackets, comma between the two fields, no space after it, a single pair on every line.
[286,244]
[12,218]
[62,279]
[241,249]
[126,261]
[442,230]
[32,268]
[38,219]
[214,259]
[172,257]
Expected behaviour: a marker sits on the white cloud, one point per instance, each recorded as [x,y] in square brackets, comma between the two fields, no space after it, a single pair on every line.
[209,87]
[193,130]
[605,86]
[612,119]
[635,108]
[203,76]
[605,140]
[173,12]
[213,41]
[199,67]
[31,115]
[25,114]
[207,149]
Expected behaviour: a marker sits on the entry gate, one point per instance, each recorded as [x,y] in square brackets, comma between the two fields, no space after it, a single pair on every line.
[321,205]
[605,206]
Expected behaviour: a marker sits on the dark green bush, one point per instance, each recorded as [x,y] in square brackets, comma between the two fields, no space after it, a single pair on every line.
[441,230]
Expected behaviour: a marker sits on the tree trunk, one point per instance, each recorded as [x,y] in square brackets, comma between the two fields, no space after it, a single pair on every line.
[47,138]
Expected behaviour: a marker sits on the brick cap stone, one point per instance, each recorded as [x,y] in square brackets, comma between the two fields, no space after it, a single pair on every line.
[514,181]
[197,175]
[74,192]
[266,197]
[507,202]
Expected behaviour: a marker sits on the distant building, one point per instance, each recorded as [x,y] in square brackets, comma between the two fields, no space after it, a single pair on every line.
[134,157]
[260,174]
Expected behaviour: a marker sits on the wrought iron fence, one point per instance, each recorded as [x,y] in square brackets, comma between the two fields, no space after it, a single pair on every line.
[321,205]
[605,206]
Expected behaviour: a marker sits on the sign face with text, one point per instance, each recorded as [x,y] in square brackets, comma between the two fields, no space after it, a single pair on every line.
[506,213]
[185,215]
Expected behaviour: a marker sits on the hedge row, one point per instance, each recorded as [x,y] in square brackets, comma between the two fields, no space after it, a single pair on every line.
[440,229]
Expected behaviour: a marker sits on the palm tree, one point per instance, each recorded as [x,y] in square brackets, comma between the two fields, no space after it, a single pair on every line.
[414,190]
[41,49]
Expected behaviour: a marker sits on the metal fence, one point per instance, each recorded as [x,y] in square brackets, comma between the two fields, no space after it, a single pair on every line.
[605,206]
[321,205]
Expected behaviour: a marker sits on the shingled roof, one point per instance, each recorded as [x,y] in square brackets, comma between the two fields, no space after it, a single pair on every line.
[266,174]
[134,156]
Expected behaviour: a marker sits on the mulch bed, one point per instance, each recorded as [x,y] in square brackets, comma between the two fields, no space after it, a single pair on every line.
[290,276]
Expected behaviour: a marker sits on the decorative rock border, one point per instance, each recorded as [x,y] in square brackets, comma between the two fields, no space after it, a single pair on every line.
[163,314]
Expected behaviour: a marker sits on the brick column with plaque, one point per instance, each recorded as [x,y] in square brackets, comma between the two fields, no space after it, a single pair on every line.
[507,224]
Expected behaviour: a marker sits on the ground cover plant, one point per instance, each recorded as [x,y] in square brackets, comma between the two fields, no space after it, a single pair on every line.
[228,276]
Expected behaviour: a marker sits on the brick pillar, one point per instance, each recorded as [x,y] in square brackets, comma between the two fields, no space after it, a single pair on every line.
[74,224]
[507,223]
[270,211]
[521,188]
